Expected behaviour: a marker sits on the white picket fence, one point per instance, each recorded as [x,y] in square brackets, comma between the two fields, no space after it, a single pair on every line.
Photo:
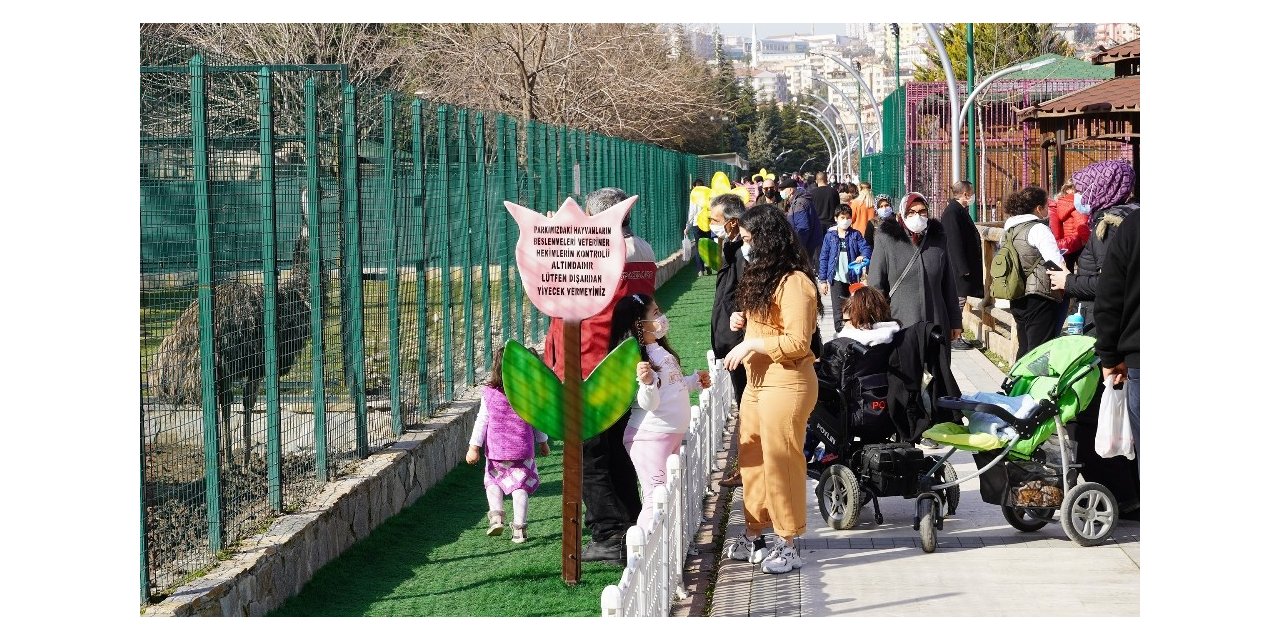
[654,577]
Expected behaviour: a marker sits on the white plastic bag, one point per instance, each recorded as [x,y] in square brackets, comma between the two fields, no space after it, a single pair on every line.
[686,249]
[1115,437]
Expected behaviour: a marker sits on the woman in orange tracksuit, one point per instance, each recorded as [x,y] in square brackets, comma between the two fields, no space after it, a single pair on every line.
[778,299]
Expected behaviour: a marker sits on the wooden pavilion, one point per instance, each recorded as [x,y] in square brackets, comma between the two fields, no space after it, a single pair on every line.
[1105,111]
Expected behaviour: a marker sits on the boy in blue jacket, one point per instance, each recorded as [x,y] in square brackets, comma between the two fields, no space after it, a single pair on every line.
[845,255]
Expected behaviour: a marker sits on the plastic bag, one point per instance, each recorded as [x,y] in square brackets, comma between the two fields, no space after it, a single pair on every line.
[686,249]
[1115,437]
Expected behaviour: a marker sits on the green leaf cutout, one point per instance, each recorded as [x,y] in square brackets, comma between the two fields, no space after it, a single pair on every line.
[534,391]
[710,252]
[609,391]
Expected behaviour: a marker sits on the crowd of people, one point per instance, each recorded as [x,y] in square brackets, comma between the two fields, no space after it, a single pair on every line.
[880,269]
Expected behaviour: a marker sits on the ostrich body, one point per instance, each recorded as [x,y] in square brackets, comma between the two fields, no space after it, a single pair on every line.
[238,349]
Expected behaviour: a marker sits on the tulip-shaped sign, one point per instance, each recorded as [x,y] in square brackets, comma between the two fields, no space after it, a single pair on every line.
[570,265]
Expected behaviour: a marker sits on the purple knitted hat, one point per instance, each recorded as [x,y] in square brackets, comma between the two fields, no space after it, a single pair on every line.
[1104,184]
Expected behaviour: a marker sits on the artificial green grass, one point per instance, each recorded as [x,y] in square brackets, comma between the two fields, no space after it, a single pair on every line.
[434,559]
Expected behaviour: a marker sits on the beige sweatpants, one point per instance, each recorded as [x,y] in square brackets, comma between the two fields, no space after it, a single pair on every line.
[770,449]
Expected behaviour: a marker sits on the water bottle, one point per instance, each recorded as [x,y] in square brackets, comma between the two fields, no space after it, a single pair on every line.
[1075,321]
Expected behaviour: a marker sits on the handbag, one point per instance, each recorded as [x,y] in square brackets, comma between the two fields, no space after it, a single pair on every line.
[686,249]
[914,257]
[1115,437]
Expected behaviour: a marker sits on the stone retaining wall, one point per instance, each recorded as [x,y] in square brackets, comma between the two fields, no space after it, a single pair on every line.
[272,567]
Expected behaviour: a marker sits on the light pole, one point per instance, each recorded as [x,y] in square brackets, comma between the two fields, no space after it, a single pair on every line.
[775,160]
[945,60]
[973,95]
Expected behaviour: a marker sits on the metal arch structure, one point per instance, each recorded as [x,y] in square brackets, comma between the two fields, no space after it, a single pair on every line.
[871,96]
[825,143]
[848,137]
[953,94]
[835,137]
[857,113]
[841,151]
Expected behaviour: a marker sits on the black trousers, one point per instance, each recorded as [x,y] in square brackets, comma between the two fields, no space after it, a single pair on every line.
[609,484]
[739,379]
[839,293]
[1037,321]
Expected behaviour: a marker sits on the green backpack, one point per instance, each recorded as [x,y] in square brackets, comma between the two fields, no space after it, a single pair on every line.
[1008,282]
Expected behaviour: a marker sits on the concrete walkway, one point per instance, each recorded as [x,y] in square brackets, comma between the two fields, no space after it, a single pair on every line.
[982,566]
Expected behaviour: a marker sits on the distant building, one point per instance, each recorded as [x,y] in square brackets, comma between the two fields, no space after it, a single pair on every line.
[769,87]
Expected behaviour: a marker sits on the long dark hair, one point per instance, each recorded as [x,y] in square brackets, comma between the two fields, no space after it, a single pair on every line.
[775,252]
[495,374]
[627,314]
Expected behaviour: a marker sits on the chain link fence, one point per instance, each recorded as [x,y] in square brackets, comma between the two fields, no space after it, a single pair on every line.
[323,266]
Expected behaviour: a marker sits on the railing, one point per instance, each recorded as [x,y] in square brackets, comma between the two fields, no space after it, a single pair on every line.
[654,576]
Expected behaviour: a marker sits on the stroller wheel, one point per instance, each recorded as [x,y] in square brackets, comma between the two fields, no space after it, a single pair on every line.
[952,494]
[839,497]
[1026,519]
[1089,513]
[926,511]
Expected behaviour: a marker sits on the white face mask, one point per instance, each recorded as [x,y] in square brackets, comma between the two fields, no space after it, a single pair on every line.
[745,252]
[843,224]
[885,212]
[916,223]
[1081,206]
[662,326]
[717,229]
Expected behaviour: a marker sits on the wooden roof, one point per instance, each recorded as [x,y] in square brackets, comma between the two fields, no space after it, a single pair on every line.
[1115,95]
[1119,53]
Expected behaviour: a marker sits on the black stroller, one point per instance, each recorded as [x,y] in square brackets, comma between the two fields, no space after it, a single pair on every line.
[873,404]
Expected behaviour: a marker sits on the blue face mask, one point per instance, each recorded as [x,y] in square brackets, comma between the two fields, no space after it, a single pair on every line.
[1081,206]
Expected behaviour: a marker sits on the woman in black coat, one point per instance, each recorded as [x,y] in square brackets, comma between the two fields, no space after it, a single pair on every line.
[927,291]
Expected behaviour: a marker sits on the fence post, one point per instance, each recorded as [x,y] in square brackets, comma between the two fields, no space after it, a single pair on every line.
[486,317]
[144,581]
[391,245]
[314,233]
[443,220]
[508,260]
[467,215]
[271,354]
[204,296]
[425,405]
[635,563]
[610,601]
[355,270]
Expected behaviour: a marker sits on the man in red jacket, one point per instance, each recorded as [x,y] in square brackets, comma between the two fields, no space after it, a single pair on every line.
[608,477]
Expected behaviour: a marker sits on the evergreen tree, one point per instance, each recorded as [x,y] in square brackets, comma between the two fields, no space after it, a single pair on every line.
[995,46]
[762,144]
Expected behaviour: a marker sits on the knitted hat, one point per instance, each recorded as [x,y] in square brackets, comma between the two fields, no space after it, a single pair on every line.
[1104,184]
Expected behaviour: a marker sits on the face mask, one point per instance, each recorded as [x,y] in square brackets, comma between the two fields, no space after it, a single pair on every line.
[717,229]
[916,223]
[745,252]
[885,212]
[843,224]
[662,326]
[1081,206]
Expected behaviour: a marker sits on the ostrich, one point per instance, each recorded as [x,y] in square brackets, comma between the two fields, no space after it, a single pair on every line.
[238,350]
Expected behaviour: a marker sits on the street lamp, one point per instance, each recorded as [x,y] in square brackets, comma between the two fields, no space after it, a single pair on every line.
[854,72]
[862,142]
[952,95]
[775,160]
[807,162]
[848,137]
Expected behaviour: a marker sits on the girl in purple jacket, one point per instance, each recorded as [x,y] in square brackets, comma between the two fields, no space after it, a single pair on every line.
[509,467]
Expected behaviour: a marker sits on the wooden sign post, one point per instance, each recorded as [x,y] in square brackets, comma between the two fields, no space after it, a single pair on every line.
[570,265]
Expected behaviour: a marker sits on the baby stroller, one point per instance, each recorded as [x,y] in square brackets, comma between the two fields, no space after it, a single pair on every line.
[1026,459]
[860,442]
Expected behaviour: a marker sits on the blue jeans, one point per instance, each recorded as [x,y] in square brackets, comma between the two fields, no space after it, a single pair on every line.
[1132,400]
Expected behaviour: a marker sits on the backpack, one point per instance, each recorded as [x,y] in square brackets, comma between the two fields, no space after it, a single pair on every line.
[1008,281]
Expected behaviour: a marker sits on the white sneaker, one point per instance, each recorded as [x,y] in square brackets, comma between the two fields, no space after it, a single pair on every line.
[782,559]
[740,548]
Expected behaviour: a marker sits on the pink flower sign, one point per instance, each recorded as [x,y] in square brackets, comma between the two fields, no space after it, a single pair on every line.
[570,263]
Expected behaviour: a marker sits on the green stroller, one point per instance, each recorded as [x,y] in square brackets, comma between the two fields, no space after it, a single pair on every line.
[1026,461]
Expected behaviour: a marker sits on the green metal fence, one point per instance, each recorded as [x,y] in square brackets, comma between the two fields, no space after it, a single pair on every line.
[323,266]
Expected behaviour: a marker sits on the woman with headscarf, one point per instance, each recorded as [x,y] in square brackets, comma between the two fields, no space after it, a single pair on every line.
[778,297]
[909,264]
[1101,192]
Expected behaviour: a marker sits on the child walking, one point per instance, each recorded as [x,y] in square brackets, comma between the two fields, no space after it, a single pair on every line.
[660,414]
[509,467]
